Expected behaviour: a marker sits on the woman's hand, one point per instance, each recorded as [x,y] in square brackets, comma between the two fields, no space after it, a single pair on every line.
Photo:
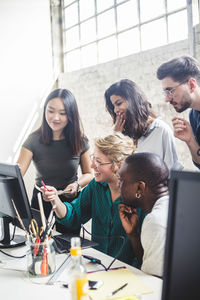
[73,189]
[50,195]
[119,123]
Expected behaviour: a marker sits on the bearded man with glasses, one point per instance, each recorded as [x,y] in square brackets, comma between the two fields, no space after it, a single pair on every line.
[181,88]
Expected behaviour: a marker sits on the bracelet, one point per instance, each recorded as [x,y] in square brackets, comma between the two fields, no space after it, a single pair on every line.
[78,186]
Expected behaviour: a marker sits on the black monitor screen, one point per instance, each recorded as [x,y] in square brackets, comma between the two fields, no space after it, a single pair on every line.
[182,252]
[12,188]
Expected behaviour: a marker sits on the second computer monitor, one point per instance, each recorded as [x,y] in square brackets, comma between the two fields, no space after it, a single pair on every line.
[182,253]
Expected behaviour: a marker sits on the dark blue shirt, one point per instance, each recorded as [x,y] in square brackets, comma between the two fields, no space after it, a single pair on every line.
[195,123]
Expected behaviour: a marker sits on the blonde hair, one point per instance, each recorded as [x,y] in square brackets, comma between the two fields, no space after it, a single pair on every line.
[116,147]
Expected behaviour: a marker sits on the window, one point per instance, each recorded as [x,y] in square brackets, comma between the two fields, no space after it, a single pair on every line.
[104,4]
[127,15]
[86,9]
[72,60]
[158,38]
[67,2]
[88,31]
[96,31]
[71,15]
[72,38]
[89,55]
[151,9]
[173,5]
[177,26]
[106,23]
[107,49]
[129,42]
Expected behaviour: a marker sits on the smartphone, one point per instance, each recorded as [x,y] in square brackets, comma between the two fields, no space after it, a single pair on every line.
[66,192]
[94,285]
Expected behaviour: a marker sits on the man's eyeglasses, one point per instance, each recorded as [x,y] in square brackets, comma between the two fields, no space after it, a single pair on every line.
[170,92]
[98,163]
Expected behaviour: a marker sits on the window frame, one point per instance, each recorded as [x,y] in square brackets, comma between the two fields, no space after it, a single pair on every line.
[117,32]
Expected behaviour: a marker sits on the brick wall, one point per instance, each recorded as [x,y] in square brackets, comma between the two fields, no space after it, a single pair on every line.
[88,86]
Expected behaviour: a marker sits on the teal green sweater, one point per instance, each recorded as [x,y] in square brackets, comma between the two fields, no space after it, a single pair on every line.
[95,203]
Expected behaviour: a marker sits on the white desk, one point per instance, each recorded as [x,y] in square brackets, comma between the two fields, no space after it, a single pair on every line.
[15,284]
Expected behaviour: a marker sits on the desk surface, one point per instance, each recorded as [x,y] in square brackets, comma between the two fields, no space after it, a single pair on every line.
[15,284]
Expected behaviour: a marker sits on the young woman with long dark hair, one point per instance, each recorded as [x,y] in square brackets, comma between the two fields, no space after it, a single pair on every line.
[132,115]
[57,148]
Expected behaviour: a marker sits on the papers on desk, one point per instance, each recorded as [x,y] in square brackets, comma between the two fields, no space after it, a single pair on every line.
[113,279]
[127,298]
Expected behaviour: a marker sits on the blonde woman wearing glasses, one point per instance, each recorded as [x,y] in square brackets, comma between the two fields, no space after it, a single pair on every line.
[100,199]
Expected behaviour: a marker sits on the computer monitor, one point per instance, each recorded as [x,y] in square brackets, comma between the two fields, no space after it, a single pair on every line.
[12,187]
[182,251]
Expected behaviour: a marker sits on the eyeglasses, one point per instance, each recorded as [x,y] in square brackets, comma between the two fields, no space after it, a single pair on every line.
[98,163]
[169,93]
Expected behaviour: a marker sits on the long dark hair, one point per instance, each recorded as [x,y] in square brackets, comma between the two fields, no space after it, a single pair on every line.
[139,109]
[73,131]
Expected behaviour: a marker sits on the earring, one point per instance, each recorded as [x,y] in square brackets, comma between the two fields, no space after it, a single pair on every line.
[137,195]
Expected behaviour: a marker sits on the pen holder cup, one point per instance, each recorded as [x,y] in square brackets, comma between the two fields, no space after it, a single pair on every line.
[40,259]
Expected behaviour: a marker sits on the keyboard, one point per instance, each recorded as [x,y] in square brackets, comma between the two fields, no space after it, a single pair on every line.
[62,243]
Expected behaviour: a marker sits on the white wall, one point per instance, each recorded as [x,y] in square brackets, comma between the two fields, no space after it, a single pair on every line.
[25,68]
[89,85]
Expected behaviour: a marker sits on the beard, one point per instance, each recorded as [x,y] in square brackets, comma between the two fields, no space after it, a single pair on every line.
[184,104]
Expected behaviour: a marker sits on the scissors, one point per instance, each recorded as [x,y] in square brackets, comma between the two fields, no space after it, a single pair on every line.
[34,229]
[35,232]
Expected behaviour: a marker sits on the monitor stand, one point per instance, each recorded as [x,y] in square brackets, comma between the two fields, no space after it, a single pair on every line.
[6,241]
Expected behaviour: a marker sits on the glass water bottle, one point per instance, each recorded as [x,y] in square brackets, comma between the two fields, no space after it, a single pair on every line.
[78,282]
